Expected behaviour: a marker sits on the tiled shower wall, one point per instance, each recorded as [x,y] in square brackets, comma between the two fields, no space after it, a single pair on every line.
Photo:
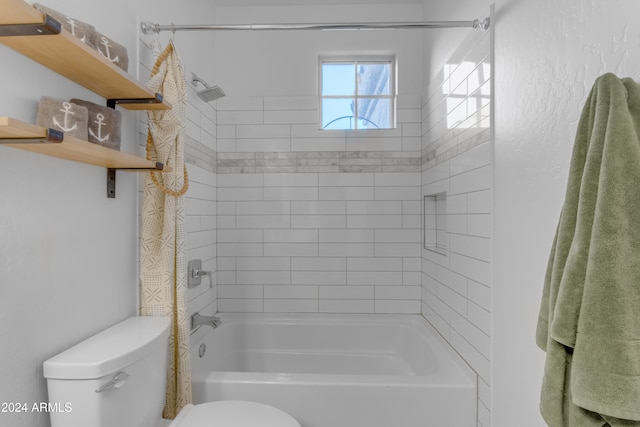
[457,168]
[200,201]
[316,221]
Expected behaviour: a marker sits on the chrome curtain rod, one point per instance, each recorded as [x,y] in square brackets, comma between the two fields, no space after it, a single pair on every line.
[478,24]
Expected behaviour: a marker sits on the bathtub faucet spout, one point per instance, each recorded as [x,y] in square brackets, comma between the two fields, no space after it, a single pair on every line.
[198,320]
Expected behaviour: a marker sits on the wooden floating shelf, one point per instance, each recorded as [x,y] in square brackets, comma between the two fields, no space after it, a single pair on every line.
[71,148]
[68,56]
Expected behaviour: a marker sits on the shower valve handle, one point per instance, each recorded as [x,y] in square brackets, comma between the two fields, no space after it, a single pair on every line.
[195,273]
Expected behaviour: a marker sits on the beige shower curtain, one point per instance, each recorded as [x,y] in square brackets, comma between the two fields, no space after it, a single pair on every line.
[162,243]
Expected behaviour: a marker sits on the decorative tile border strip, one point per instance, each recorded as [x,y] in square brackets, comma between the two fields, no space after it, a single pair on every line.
[200,155]
[456,143]
[320,162]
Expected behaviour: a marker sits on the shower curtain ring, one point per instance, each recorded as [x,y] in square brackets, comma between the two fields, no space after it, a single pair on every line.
[173,34]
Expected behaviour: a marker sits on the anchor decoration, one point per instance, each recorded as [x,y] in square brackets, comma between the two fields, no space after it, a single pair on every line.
[82,31]
[65,116]
[67,111]
[107,46]
[100,122]
[72,24]
[103,124]
[112,51]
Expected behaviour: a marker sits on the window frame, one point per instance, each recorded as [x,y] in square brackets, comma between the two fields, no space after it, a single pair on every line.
[356,59]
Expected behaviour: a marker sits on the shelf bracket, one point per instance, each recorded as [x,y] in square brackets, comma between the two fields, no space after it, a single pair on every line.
[48,27]
[111,177]
[53,136]
[111,103]
[111,183]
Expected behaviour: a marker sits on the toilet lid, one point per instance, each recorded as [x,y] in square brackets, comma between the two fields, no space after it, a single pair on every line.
[233,413]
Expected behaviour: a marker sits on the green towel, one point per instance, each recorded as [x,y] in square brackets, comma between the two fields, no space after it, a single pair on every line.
[589,322]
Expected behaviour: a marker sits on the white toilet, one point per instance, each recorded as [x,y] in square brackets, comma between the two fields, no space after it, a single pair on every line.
[117,378]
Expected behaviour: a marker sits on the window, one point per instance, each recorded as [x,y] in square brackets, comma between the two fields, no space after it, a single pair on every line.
[358,93]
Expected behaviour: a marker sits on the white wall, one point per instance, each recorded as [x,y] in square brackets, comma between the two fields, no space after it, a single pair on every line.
[284,63]
[68,255]
[548,54]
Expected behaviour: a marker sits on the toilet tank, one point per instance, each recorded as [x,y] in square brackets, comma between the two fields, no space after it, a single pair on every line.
[114,378]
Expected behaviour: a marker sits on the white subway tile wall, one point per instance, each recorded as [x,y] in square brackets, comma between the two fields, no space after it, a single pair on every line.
[457,160]
[201,204]
[305,253]
[310,220]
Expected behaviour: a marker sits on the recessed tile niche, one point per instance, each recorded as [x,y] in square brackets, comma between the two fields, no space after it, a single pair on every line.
[435,222]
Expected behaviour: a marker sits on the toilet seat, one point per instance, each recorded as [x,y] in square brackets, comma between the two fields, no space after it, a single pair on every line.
[233,413]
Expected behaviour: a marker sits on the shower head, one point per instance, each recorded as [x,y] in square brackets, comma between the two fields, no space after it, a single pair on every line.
[209,93]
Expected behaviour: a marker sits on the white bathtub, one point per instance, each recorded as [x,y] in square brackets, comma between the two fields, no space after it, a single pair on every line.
[338,370]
